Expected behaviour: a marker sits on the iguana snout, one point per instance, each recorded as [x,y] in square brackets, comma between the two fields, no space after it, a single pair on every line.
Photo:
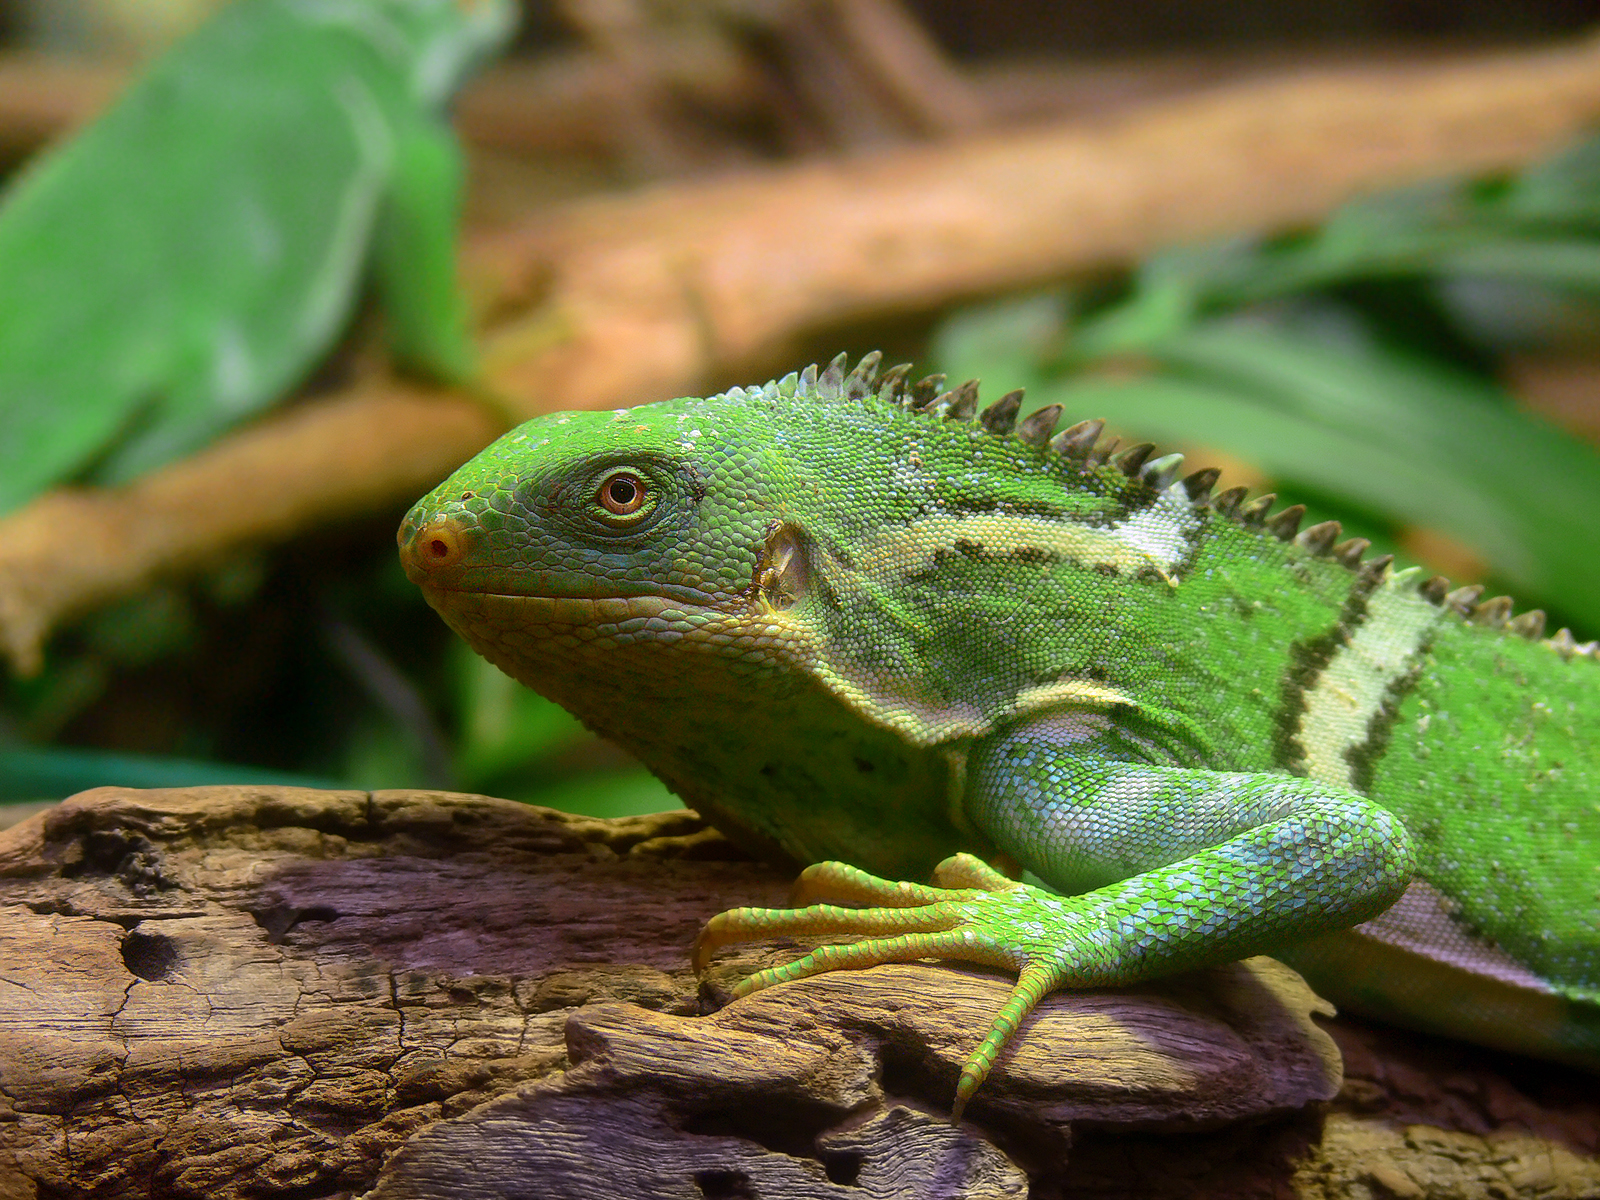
[430,550]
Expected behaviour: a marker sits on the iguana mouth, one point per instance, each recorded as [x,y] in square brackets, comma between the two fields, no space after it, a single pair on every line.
[443,558]
[578,610]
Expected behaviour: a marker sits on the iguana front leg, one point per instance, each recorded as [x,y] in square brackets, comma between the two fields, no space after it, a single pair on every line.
[1165,868]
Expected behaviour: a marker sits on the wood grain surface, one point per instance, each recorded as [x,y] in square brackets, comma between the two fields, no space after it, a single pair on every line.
[248,991]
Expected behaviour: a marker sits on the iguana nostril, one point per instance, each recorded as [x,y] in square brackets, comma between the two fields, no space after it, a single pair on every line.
[434,546]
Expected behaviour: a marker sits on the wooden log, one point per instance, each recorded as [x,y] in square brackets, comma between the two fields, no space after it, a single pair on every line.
[230,992]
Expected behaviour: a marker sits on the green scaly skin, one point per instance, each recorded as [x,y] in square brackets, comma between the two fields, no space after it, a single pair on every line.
[857,624]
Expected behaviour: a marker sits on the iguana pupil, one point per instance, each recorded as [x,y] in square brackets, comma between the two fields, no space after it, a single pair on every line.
[622,495]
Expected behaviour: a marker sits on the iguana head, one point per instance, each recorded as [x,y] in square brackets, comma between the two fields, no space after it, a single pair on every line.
[666,502]
[603,557]
[859,538]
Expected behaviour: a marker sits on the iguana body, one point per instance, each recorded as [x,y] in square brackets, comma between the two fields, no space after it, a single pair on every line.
[847,619]
[191,255]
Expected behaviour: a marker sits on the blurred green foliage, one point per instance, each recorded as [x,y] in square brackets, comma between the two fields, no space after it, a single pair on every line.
[185,259]
[1356,364]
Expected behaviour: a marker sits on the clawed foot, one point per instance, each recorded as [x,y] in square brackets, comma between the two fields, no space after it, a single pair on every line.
[972,913]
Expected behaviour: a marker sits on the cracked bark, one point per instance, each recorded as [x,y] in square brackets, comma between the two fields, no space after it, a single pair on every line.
[256,992]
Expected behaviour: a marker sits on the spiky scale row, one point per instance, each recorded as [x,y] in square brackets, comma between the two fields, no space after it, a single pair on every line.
[1529,625]
[1564,644]
[1078,441]
[1493,613]
[1037,426]
[959,404]
[1373,570]
[1254,514]
[1435,590]
[1227,503]
[1081,443]
[1284,525]
[855,385]
[1130,460]
[1000,418]
[1199,484]
[893,384]
[1350,552]
[1319,539]
[1162,473]
[926,390]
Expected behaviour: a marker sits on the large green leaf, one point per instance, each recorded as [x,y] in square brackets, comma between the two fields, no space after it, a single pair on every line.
[188,258]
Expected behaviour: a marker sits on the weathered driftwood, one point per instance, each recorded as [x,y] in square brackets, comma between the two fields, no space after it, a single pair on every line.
[228,992]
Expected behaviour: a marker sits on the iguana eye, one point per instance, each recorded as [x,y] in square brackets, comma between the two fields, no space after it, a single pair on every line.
[622,494]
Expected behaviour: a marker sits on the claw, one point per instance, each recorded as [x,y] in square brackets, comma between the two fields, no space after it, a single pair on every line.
[857,956]
[968,871]
[838,882]
[902,922]
[751,924]
[1032,985]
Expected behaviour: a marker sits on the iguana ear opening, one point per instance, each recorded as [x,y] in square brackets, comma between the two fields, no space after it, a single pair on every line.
[783,574]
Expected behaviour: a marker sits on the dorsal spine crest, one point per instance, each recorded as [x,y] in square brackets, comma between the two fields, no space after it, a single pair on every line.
[1084,447]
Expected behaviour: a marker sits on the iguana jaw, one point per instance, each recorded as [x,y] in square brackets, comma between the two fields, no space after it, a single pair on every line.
[632,667]
[599,614]
[549,642]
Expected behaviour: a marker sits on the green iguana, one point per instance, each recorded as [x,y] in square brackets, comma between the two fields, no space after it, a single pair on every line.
[855,621]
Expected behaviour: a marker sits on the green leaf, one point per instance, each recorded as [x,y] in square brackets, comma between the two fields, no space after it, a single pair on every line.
[1538,231]
[186,259]
[1562,190]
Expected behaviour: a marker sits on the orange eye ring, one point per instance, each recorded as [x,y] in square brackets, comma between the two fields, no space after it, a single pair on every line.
[622,494]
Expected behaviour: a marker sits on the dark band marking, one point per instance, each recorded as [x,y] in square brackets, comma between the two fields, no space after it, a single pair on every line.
[1307,660]
[1364,758]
